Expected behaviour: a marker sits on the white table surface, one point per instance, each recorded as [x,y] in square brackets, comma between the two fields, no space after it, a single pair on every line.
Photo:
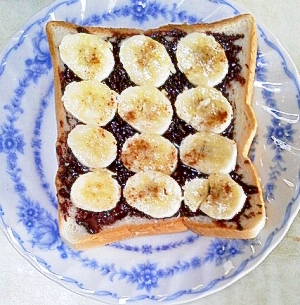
[275,281]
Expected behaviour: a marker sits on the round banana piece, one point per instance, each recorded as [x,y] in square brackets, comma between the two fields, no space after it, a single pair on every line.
[226,198]
[90,101]
[202,59]
[205,109]
[93,146]
[153,193]
[209,152]
[149,151]
[96,191]
[146,60]
[195,192]
[88,56]
[146,109]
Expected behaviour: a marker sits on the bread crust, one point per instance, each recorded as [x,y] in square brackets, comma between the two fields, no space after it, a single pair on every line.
[251,221]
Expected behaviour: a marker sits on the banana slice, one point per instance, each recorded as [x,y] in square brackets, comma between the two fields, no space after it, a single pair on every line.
[88,56]
[195,192]
[209,152]
[93,146]
[96,191]
[91,102]
[146,109]
[153,193]
[226,198]
[205,109]
[149,151]
[202,59]
[146,60]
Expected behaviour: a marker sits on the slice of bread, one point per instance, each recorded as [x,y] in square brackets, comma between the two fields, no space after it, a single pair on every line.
[89,229]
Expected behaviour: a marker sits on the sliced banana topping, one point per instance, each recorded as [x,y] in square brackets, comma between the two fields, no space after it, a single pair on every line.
[195,192]
[205,109]
[226,198]
[146,60]
[202,59]
[93,146]
[146,109]
[153,193]
[96,191]
[88,56]
[91,102]
[209,153]
[149,151]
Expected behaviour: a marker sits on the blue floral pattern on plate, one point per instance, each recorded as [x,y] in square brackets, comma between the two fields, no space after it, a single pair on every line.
[28,210]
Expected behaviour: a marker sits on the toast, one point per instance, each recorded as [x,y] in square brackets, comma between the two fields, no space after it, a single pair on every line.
[82,228]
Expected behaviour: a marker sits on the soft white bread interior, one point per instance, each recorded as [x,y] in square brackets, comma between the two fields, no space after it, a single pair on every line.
[249,222]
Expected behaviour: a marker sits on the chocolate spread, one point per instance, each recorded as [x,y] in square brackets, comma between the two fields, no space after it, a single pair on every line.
[118,80]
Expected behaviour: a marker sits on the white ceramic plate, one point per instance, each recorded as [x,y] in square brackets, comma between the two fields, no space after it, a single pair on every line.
[172,268]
